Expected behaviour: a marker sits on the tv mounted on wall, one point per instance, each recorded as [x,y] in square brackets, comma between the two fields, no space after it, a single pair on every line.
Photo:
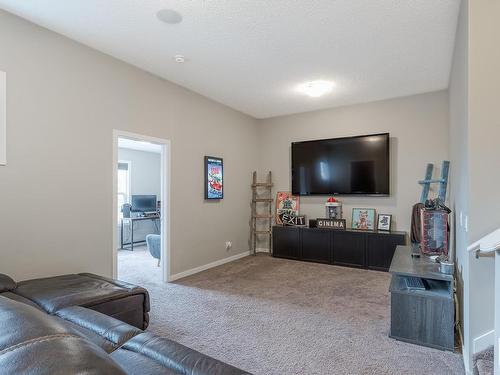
[344,166]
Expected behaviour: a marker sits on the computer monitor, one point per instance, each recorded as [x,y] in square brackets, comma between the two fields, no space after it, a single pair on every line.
[143,203]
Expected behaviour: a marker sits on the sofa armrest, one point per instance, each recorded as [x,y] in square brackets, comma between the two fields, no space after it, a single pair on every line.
[111,329]
[6,283]
[177,357]
[133,289]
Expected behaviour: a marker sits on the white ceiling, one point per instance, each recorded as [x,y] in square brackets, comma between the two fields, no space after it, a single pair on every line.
[250,55]
[139,145]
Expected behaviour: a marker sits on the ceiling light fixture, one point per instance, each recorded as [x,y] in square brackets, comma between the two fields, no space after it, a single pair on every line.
[315,89]
[180,59]
[169,16]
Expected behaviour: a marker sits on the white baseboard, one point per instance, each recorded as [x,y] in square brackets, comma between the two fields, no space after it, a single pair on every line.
[465,356]
[466,361]
[192,271]
[482,342]
[261,250]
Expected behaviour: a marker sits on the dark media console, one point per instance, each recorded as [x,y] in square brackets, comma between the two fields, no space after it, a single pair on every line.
[353,248]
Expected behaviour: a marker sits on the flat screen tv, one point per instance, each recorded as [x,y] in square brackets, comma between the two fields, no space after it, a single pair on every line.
[341,166]
[143,203]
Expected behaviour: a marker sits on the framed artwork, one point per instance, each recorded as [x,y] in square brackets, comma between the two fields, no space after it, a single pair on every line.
[214,178]
[3,118]
[363,218]
[384,222]
[286,204]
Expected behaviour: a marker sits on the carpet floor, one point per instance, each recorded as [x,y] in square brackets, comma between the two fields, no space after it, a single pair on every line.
[274,316]
[138,264]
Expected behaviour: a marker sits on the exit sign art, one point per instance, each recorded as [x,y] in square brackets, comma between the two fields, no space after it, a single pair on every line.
[292,220]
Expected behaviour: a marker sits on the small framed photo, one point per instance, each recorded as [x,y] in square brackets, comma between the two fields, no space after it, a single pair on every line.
[363,218]
[384,222]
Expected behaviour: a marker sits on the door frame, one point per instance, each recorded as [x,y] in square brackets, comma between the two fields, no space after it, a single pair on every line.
[165,220]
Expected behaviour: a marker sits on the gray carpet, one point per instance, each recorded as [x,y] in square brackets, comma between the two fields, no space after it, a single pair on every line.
[484,362]
[138,264]
[274,316]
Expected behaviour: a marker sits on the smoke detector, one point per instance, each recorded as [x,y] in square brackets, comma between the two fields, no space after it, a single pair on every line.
[180,59]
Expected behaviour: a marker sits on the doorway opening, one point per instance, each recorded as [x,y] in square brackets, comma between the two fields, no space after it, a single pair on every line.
[141,220]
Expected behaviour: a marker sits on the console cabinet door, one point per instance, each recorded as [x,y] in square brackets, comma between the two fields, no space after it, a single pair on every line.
[286,242]
[349,249]
[380,249]
[316,245]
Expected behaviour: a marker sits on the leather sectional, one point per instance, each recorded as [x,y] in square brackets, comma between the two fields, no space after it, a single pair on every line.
[88,324]
[123,301]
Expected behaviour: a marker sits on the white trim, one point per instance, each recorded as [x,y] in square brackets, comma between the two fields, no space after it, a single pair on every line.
[3,118]
[129,182]
[192,271]
[466,361]
[465,358]
[166,162]
[262,250]
[482,342]
[487,244]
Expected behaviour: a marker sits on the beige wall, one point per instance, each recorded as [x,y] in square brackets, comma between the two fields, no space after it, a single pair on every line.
[459,177]
[145,171]
[408,120]
[484,158]
[484,116]
[474,134]
[63,102]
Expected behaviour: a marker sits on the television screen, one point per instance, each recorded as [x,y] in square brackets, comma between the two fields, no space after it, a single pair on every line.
[143,203]
[353,165]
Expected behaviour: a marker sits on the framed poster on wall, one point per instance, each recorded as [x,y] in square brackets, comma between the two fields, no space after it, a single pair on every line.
[3,118]
[214,178]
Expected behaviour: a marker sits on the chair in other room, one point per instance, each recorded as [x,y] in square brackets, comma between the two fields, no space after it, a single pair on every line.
[153,241]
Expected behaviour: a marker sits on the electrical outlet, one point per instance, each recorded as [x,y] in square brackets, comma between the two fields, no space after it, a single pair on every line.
[229,244]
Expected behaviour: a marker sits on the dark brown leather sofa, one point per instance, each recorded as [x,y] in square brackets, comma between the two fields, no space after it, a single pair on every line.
[59,326]
[121,300]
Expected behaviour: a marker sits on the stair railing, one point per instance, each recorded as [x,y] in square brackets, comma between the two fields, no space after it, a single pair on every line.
[487,245]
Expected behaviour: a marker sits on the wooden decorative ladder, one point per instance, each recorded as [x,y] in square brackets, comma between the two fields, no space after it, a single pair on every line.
[257,189]
[442,181]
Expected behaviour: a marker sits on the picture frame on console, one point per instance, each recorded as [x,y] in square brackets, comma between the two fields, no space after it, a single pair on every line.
[363,218]
[286,204]
[384,222]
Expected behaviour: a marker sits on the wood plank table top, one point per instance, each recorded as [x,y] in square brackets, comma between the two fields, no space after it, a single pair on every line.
[405,265]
